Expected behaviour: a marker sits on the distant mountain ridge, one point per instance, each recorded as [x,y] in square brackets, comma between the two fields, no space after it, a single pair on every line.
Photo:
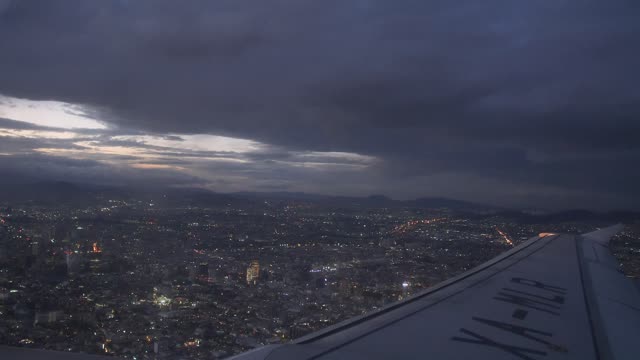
[372,200]
[67,193]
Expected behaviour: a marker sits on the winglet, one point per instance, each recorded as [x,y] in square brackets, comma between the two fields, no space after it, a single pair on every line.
[603,235]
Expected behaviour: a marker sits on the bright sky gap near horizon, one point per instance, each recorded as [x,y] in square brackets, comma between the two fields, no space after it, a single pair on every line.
[512,103]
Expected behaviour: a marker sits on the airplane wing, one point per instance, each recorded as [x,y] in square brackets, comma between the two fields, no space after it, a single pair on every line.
[553,297]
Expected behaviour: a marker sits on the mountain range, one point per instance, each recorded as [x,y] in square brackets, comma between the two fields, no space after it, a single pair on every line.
[72,194]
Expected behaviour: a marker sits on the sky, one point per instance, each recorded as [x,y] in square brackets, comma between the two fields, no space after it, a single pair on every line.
[528,104]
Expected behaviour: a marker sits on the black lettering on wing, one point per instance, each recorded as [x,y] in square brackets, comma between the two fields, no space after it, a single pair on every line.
[526,300]
[537,284]
[526,332]
[518,351]
[555,298]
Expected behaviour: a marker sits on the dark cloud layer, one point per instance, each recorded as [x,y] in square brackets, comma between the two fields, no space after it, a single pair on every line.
[540,97]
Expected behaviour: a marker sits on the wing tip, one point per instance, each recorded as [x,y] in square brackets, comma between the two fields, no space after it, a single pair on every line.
[604,235]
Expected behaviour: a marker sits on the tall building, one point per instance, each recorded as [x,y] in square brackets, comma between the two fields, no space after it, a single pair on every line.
[34,248]
[203,272]
[253,272]
[73,262]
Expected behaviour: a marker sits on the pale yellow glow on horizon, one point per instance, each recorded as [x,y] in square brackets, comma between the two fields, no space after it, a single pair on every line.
[156,166]
[340,155]
[319,160]
[92,148]
[95,147]
[201,142]
[319,165]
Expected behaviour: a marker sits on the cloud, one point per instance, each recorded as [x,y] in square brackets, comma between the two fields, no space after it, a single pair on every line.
[47,113]
[34,153]
[542,95]
[24,168]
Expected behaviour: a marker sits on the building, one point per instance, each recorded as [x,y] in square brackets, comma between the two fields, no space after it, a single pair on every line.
[253,272]
[203,273]
[48,317]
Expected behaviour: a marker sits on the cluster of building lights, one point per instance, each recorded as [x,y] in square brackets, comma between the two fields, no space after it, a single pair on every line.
[412,224]
[505,237]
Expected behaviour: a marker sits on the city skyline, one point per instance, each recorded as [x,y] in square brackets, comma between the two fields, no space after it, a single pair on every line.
[143,278]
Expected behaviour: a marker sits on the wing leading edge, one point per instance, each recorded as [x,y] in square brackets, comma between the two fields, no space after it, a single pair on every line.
[552,297]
